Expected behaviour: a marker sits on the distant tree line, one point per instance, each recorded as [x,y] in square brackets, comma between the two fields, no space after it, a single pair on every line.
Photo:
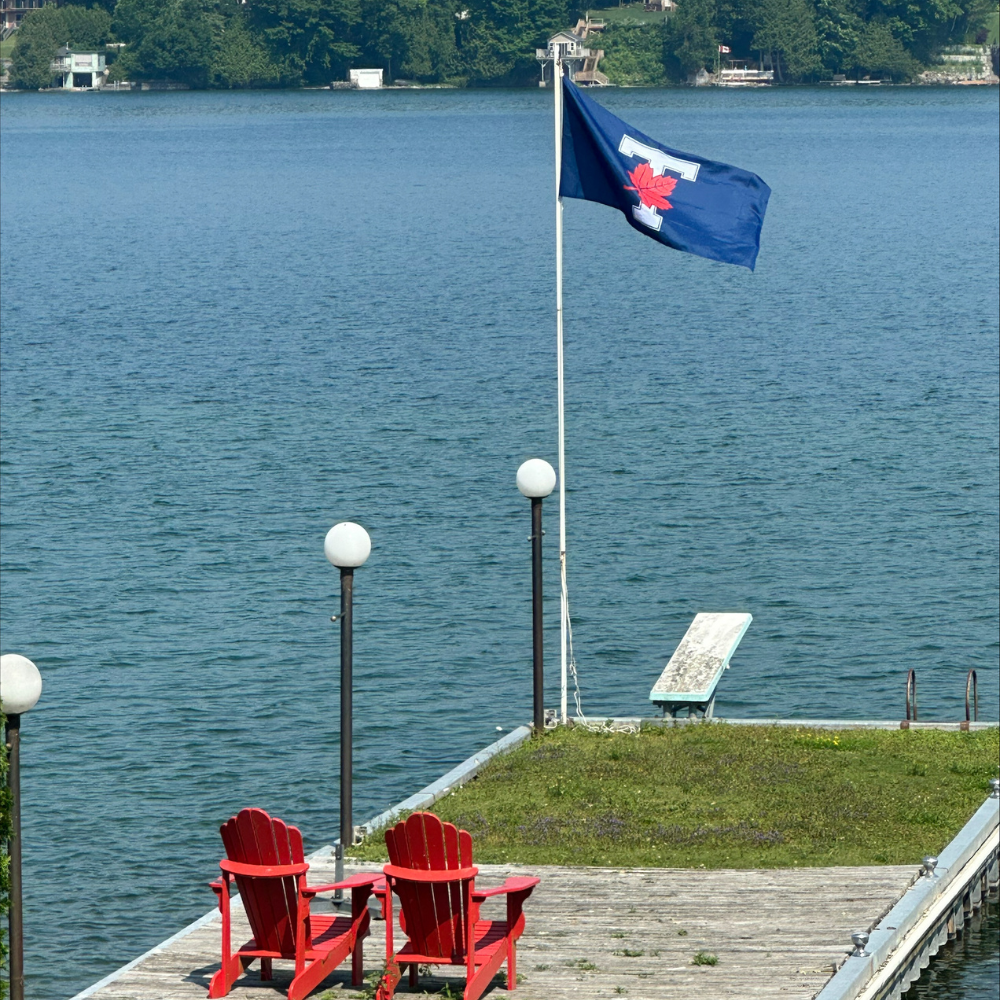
[293,43]
[800,40]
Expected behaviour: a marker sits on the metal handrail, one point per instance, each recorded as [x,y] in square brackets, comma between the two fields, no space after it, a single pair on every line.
[911,695]
[972,683]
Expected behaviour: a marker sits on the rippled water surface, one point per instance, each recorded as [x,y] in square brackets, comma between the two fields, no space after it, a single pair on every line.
[230,320]
[966,969]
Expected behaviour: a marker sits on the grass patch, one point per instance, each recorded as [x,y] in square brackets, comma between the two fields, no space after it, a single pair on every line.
[704,958]
[719,796]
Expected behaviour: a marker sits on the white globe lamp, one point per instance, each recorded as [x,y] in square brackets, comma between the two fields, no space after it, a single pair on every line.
[536,479]
[347,545]
[20,684]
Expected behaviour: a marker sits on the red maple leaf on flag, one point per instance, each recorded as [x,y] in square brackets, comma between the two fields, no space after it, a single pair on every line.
[651,188]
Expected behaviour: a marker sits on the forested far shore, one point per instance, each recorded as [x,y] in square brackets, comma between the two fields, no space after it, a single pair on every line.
[296,43]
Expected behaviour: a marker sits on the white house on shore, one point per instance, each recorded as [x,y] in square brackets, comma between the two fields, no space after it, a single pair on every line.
[365,79]
[571,49]
[79,70]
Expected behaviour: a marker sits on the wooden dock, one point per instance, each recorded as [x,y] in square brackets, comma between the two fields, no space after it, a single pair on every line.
[606,932]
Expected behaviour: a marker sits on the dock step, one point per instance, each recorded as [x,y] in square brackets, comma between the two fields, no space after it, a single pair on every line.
[688,682]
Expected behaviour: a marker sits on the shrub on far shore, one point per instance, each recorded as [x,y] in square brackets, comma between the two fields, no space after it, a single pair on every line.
[633,54]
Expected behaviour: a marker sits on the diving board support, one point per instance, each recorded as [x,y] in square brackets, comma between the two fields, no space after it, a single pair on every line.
[688,682]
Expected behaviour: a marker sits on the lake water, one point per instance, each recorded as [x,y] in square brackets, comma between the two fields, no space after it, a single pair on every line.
[230,320]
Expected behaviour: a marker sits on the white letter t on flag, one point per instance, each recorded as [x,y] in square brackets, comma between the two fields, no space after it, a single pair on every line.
[660,163]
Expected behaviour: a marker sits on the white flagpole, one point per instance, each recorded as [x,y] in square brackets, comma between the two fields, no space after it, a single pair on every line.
[557,77]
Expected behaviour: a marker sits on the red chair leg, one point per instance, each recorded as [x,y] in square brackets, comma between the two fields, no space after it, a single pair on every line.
[310,977]
[479,982]
[390,980]
[413,975]
[266,972]
[358,964]
[232,965]
[511,965]
[222,981]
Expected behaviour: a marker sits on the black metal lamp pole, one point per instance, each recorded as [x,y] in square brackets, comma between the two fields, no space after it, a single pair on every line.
[13,735]
[346,713]
[20,688]
[536,479]
[537,634]
[347,546]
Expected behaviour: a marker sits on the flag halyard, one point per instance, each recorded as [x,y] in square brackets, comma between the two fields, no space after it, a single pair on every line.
[684,201]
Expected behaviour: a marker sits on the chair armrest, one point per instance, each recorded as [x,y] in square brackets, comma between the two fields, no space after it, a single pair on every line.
[354,882]
[517,884]
[263,871]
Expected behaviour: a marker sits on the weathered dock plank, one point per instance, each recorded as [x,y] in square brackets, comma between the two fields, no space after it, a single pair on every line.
[776,933]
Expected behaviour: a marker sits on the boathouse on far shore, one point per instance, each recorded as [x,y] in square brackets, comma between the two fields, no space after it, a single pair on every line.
[571,48]
[79,70]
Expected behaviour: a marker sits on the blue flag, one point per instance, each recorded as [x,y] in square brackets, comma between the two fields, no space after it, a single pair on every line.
[685,201]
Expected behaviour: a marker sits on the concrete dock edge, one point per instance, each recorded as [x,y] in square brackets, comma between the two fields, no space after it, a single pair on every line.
[930,913]
[455,778]
[635,722]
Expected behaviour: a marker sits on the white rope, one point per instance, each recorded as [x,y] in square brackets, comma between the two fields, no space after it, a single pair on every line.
[593,726]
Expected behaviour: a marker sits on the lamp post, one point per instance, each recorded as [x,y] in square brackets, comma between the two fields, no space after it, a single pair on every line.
[536,479]
[347,546]
[20,688]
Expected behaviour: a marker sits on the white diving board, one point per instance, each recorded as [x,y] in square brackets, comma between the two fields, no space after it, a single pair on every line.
[688,682]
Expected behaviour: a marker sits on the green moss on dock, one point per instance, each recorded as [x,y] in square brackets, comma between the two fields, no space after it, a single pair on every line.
[718,796]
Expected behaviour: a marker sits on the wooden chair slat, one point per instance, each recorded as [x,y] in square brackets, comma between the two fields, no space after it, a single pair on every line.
[426,918]
[271,894]
[451,846]
[245,847]
[248,839]
[446,913]
[416,843]
[264,835]
[283,851]
[297,852]
[453,861]
[230,838]
[390,846]
[282,847]
[465,849]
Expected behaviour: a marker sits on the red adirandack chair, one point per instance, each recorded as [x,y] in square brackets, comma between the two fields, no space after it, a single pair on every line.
[265,859]
[431,872]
